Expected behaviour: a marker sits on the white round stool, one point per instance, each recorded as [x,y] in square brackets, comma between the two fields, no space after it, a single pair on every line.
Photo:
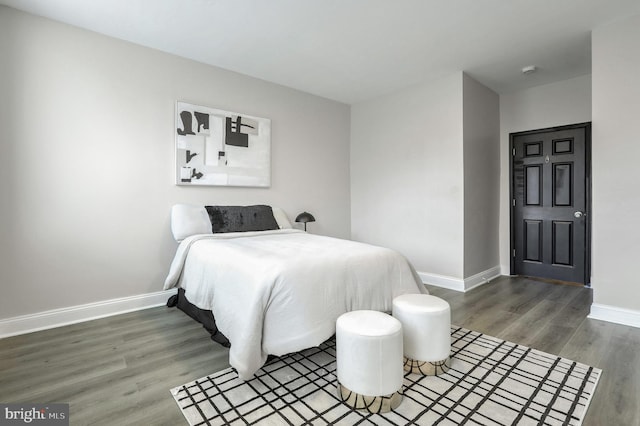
[369,361]
[426,328]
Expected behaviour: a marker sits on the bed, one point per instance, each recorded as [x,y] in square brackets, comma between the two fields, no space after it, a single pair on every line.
[273,289]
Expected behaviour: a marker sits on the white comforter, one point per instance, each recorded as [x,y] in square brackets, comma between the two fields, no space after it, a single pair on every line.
[276,292]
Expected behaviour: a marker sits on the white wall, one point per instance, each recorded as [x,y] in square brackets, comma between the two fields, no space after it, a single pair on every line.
[87,161]
[481,123]
[616,175]
[425,177]
[407,174]
[556,104]
[5,160]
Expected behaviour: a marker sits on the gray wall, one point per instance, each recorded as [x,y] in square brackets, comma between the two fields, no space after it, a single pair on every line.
[616,175]
[407,177]
[556,104]
[610,98]
[424,176]
[5,155]
[87,153]
[87,161]
[481,123]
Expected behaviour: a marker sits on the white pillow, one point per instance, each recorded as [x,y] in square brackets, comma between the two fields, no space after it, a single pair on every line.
[187,220]
[281,218]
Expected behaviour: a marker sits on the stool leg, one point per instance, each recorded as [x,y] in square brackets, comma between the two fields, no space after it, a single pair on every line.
[372,404]
[427,368]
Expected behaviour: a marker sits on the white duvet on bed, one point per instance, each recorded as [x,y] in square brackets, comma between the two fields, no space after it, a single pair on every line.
[281,291]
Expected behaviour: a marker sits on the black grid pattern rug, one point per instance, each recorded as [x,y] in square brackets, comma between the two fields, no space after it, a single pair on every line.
[491,382]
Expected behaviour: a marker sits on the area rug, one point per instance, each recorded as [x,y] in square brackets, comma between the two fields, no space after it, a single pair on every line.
[491,382]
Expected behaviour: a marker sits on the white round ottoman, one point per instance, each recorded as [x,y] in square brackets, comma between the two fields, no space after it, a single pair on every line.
[369,361]
[426,328]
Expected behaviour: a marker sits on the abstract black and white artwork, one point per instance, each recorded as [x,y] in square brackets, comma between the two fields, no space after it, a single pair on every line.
[216,147]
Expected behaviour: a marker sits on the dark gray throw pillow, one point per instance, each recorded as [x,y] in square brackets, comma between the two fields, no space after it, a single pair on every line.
[241,218]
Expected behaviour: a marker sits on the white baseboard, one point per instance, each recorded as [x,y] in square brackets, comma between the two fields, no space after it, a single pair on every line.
[615,314]
[481,278]
[459,284]
[505,270]
[443,281]
[74,314]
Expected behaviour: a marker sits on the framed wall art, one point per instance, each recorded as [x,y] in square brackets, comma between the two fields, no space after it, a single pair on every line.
[222,148]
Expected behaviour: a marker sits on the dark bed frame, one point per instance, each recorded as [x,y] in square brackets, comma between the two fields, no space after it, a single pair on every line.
[203,316]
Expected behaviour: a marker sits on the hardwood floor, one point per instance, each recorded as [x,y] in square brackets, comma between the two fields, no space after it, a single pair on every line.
[112,371]
[118,370]
[552,318]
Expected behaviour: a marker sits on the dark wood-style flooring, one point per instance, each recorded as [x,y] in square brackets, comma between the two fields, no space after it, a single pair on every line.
[118,370]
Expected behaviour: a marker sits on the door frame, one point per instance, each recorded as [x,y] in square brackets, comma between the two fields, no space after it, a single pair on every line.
[587,127]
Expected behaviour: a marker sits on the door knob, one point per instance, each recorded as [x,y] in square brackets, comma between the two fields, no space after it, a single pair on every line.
[579,214]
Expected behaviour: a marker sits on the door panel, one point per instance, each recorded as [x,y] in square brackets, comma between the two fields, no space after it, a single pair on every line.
[533,240]
[533,191]
[562,243]
[549,189]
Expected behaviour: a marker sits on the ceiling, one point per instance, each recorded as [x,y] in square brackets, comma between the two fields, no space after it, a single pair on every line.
[354,50]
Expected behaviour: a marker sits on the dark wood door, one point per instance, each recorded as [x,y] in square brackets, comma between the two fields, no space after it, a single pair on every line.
[550,203]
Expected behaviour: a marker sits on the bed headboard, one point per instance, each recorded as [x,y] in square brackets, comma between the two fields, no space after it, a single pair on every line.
[189,219]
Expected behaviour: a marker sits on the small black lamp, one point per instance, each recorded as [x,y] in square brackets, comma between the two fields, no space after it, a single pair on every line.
[305,217]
